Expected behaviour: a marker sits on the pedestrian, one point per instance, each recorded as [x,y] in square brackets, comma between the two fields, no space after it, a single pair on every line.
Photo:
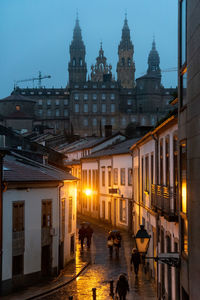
[122,287]
[117,242]
[82,235]
[110,243]
[135,260]
[89,233]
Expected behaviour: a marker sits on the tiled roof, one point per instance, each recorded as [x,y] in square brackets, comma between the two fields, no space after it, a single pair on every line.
[20,169]
[17,97]
[120,148]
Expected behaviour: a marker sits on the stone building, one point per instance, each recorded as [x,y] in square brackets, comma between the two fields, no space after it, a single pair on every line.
[85,106]
[189,147]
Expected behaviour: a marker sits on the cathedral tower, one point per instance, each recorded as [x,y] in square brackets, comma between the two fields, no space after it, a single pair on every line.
[154,63]
[101,67]
[126,65]
[77,67]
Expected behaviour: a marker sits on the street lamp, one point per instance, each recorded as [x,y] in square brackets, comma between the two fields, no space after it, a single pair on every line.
[142,240]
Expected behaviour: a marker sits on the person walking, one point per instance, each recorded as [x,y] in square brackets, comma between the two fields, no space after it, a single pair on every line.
[89,233]
[117,243]
[135,260]
[122,287]
[110,243]
[82,235]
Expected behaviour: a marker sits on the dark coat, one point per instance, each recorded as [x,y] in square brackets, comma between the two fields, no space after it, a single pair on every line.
[89,232]
[135,258]
[82,233]
[122,286]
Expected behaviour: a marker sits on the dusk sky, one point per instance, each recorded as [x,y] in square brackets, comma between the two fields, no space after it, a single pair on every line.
[35,36]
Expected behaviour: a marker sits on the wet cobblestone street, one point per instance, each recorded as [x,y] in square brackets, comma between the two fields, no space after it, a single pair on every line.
[103,269]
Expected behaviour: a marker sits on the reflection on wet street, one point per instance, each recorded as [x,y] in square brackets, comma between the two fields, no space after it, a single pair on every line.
[103,269]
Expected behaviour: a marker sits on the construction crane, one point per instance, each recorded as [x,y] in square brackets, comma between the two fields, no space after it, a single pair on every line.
[39,79]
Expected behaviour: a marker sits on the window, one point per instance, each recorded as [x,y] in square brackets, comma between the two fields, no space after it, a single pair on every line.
[109,176]
[129,176]
[175,168]
[94,96]
[103,177]
[183,31]
[167,161]
[40,112]
[183,176]
[122,176]
[57,93]
[76,108]
[66,113]
[17,107]
[103,108]
[129,101]
[57,113]
[112,121]
[48,112]
[57,101]
[183,87]
[115,176]
[94,86]
[76,96]
[103,121]
[103,96]
[142,179]
[46,213]
[147,173]
[18,216]
[48,101]
[94,108]
[112,108]
[94,122]
[112,96]
[65,101]
[40,102]
[85,122]
[48,93]
[85,96]
[80,62]
[85,107]
[152,167]
[161,162]
[123,121]
[70,215]
[74,62]
[122,210]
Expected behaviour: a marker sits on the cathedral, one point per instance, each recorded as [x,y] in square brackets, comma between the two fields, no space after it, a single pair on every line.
[93,100]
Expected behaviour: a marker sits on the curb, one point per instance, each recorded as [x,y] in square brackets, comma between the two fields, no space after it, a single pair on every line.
[59,285]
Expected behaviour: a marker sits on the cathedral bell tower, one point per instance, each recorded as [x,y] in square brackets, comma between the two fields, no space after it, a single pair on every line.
[126,65]
[77,67]
[154,63]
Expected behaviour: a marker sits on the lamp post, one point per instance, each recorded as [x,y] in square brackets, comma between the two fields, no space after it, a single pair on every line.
[142,239]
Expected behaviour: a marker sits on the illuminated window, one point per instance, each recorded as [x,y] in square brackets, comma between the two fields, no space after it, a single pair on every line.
[115,176]
[122,175]
[183,176]
[17,107]
[122,210]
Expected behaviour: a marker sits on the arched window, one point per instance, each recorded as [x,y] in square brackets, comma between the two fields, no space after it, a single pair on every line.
[74,62]
[80,61]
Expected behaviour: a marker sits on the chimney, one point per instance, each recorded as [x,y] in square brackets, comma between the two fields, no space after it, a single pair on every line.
[108,130]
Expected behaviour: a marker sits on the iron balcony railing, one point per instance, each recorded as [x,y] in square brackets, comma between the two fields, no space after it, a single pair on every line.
[164,199]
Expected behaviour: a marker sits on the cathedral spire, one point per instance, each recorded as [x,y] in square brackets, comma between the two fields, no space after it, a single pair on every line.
[154,61]
[77,66]
[126,65]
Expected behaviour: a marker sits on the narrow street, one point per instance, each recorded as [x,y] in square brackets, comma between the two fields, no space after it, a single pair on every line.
[103,269]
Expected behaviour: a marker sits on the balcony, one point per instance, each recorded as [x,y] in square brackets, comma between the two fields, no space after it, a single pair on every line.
[164,200]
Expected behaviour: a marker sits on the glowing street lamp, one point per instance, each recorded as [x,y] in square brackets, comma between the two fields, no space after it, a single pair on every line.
[88,192]
[142,239]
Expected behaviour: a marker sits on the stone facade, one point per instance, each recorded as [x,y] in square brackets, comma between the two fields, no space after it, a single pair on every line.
[84,107]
